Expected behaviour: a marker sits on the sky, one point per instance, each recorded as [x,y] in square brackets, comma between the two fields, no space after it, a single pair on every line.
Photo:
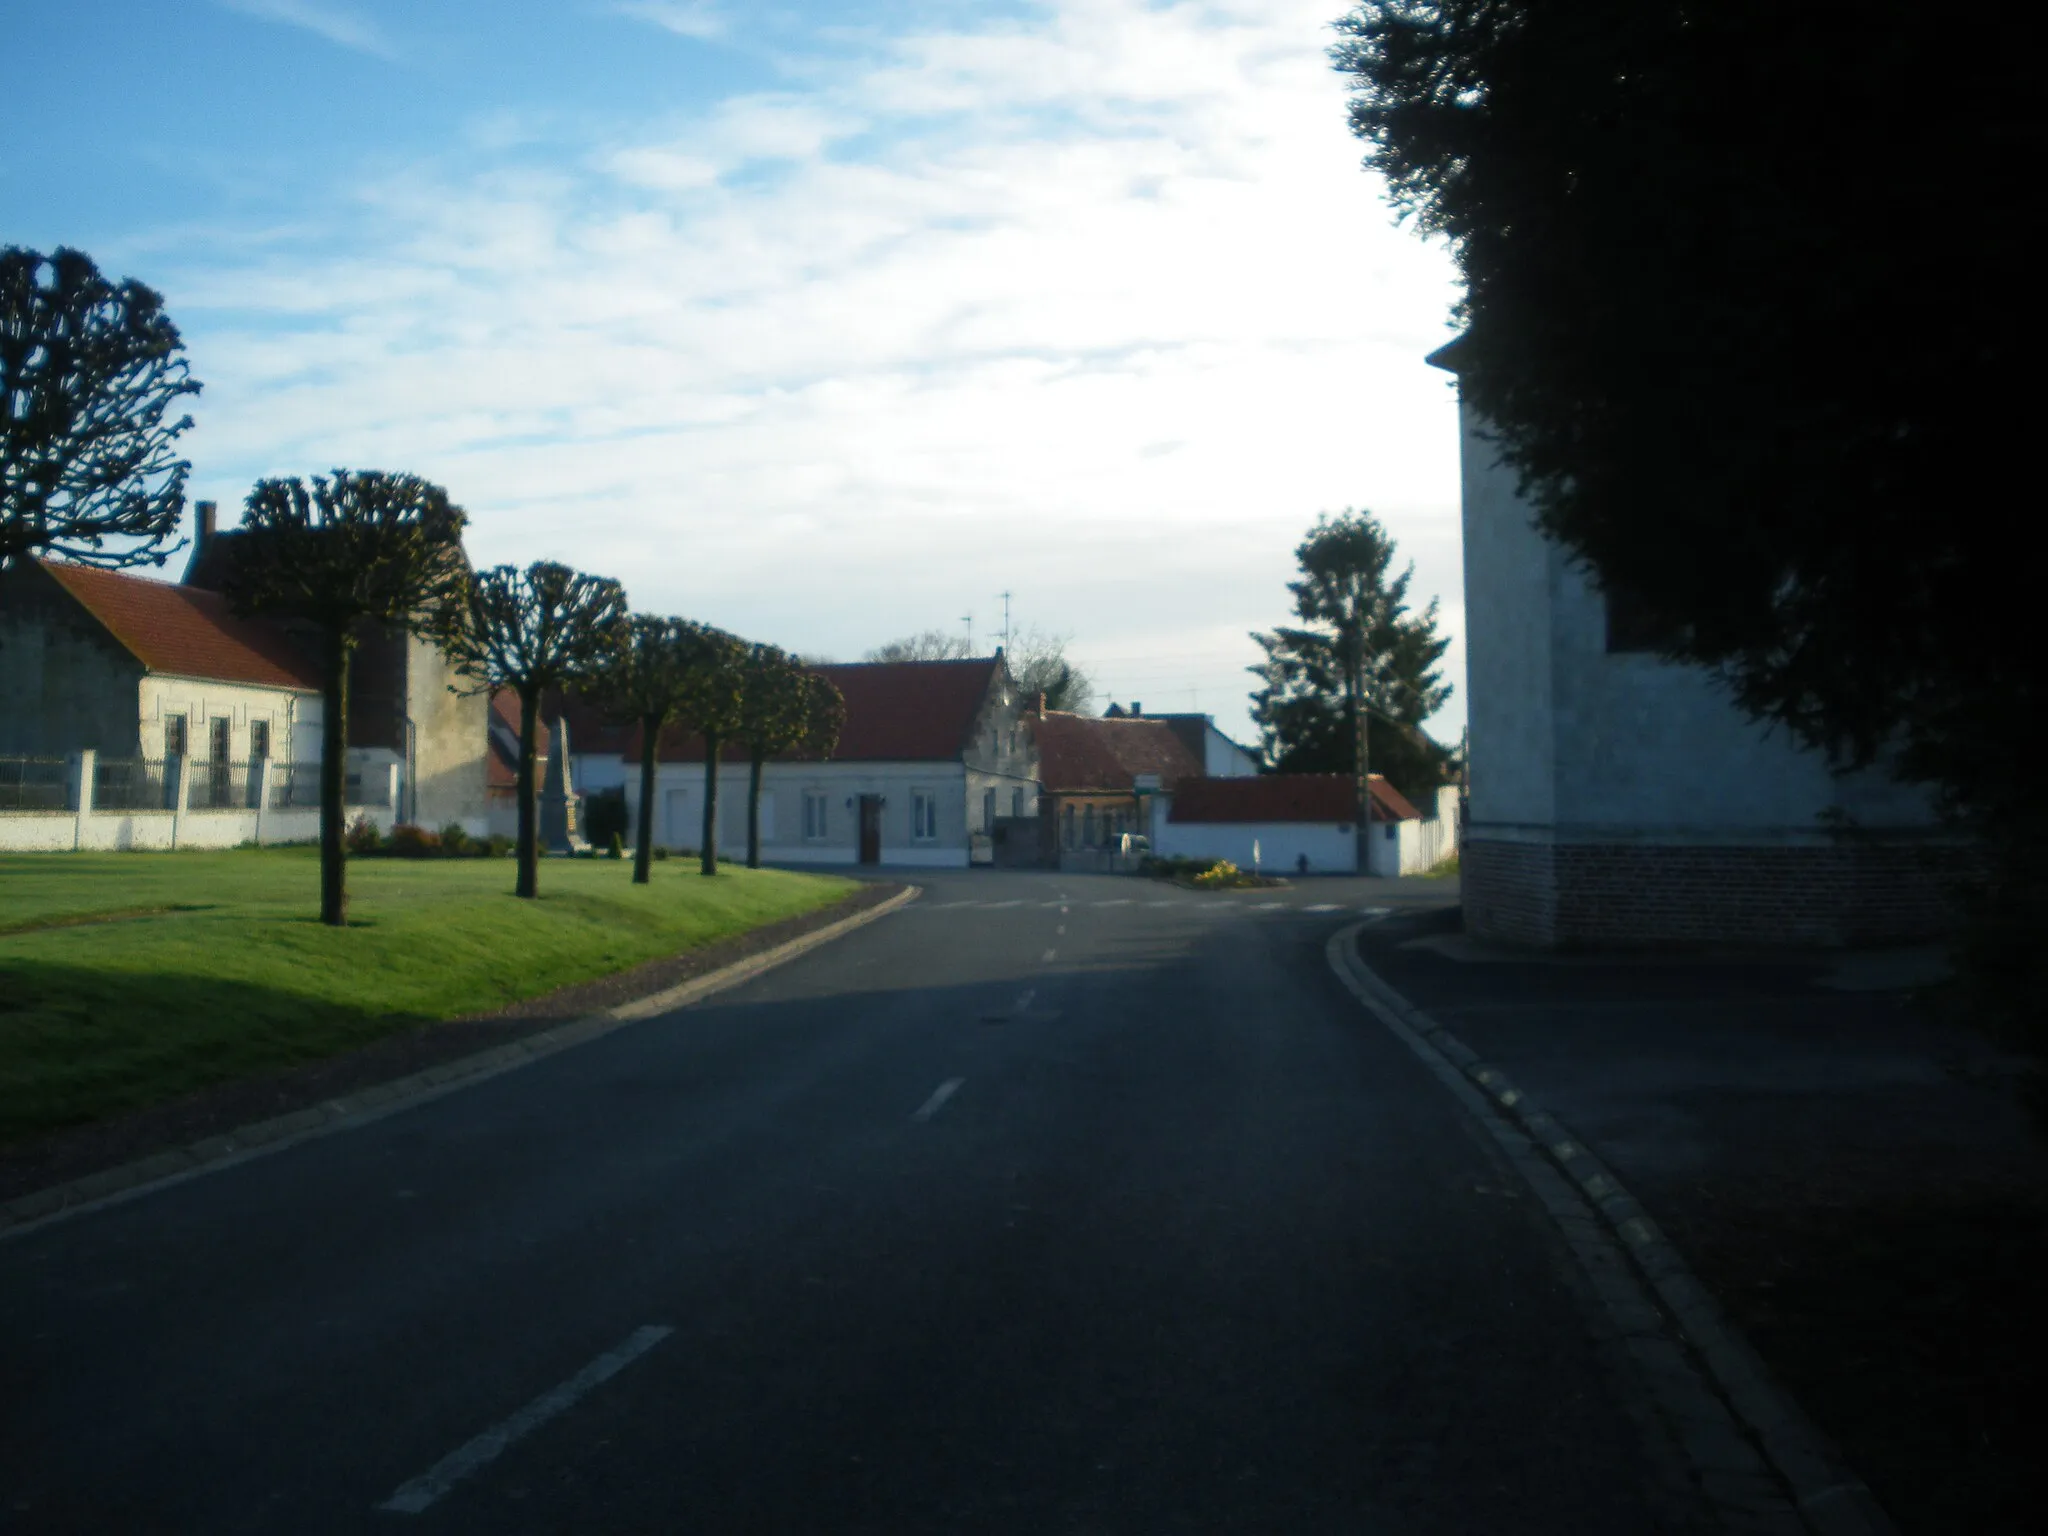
[825,323]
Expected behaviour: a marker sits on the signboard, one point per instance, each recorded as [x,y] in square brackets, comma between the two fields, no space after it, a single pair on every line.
[1145,783]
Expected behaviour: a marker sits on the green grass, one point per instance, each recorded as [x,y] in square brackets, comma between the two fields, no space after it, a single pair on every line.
[130,978]
[1442,871]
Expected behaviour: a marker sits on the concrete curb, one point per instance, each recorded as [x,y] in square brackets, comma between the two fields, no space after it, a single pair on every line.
[26,1213]
[1828,1499]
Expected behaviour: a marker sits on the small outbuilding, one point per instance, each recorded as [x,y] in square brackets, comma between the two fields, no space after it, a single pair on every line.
[1298,823]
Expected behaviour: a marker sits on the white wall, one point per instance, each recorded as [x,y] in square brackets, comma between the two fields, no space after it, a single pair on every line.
[1280,844]
[61,831]
[1223,758]
[289,714]
[1571,742]
[679,807]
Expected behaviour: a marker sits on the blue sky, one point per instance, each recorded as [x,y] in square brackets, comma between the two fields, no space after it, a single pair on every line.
[822,322]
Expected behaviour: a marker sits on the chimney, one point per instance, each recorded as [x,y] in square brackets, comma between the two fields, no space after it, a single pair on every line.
[209,513]
[1041,701]
[1137,709]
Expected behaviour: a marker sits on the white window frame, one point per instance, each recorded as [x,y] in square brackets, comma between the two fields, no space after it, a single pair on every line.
[924,815]
[817,803]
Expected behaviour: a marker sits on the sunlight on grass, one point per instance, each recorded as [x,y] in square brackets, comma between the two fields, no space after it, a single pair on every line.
[129,978]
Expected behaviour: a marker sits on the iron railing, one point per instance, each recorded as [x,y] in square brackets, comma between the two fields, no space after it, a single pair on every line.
[218,786]
[35,784]
[130,784]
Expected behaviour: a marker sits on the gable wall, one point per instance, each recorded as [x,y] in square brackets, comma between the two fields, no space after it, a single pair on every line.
[66,685]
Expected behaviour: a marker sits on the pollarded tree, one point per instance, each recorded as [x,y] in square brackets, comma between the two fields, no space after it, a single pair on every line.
[715,709]
[546,627]
[786,709]
[651,679]
[1350,687]
[354,548]
[90,371]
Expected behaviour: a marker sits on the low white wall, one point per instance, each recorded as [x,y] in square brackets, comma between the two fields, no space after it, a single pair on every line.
[62,831]
[1281,844]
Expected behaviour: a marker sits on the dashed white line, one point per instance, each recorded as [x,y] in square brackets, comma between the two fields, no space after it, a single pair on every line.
[1269,906]
[1376,911]
[1062,928]
[1024,998]
[416,1496]
[937,1101]
[1323,906]
[1046,958]
[1121,901]
[991,906]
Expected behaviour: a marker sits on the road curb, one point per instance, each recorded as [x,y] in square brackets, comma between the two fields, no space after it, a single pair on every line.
[26,1213]
[1828,1499]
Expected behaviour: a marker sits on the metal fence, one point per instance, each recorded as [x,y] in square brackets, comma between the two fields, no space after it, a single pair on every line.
[294,786]
[129,784]
[220,786]
[35,784]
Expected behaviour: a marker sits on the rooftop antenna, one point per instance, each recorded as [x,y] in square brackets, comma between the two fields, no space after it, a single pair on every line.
[968,620]
[1006,623]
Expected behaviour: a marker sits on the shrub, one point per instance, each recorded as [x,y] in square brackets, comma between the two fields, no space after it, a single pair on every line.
[499,846]
[411,842]
[362,837]
[660,852]
[605,818]
[455,842]
[618,847]
[1220,873]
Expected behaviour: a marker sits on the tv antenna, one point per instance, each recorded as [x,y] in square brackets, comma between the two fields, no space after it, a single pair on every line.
[1006,623]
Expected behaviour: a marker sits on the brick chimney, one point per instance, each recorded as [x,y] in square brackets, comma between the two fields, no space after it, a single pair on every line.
[209,522]
[1041,701]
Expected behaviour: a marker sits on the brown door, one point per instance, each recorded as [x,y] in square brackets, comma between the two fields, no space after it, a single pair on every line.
[871,829]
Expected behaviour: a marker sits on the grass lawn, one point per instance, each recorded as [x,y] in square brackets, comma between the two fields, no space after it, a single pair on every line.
[130,978]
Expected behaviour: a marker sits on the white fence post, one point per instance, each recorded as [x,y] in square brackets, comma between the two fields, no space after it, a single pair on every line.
[179,766]
[262,799]
[391,789]
[84,769]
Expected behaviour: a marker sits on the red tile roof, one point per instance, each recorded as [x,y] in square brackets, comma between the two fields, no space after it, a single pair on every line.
[1081,752]
[186,632]
[501,763]
[1321,797]
[896,711]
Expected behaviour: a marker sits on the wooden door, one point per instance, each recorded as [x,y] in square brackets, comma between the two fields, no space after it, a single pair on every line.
[871,829]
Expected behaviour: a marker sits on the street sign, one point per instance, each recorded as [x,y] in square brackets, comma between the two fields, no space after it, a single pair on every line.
[1145,783]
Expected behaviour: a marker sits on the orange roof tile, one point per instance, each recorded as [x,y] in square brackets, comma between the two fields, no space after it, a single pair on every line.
[1081,752]
[186,632]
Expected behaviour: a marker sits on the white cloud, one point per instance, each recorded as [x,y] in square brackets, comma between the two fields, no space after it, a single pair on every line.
[685,18]
[335,23]
[1102,312]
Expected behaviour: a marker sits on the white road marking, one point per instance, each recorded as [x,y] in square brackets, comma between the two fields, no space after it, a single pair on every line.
[1046,958]
[937,1101]
[947,906]
[1269,906]
[1062,928]
[1048,905]
[992,906]
[417,1495]
[1121,901]
[1165,903]
[1322,906]
[1024,1001]
[1376,911]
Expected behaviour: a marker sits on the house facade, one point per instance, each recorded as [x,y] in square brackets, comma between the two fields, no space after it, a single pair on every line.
[1304,823]
[1618,798]
[410,710]
[1099,776]
[932,758]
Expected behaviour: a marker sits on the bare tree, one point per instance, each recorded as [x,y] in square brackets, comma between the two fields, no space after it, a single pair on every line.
[351,549]
[89,373]
[928,645]
[532,630]
[1038,663]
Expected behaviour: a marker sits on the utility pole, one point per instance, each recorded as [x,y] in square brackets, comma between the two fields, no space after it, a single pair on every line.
[1354,688]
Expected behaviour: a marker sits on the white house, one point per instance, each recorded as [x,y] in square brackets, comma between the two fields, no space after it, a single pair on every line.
[931,756]
[1616,797]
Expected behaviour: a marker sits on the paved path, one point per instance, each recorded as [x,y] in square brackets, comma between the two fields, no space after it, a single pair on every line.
[1050,1204]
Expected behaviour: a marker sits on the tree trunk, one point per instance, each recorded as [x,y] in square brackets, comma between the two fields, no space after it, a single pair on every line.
[333,781]
[643,837]
[1354,688]
[754,810]
[710,851]
[529,795]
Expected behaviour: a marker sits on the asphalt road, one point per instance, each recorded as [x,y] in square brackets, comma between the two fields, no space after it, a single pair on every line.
[1049,1204]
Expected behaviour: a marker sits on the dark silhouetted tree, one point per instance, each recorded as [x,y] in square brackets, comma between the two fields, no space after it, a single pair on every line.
[349,550]
[1359,652]
[90,371]
[1712,258]
[546,627]
[785,709]
[650,680]
[715,709]
[1039,663]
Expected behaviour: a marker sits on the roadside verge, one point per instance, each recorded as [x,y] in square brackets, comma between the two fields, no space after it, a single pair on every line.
[1710,1388]
[28,1211]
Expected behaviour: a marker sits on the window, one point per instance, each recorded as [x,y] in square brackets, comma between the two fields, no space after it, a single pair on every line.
[1088,826]
[174,735]
[1016,802]
[218,735]
[988,811]
[814,815]
[1067,817]
[259,740]
[924,816]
